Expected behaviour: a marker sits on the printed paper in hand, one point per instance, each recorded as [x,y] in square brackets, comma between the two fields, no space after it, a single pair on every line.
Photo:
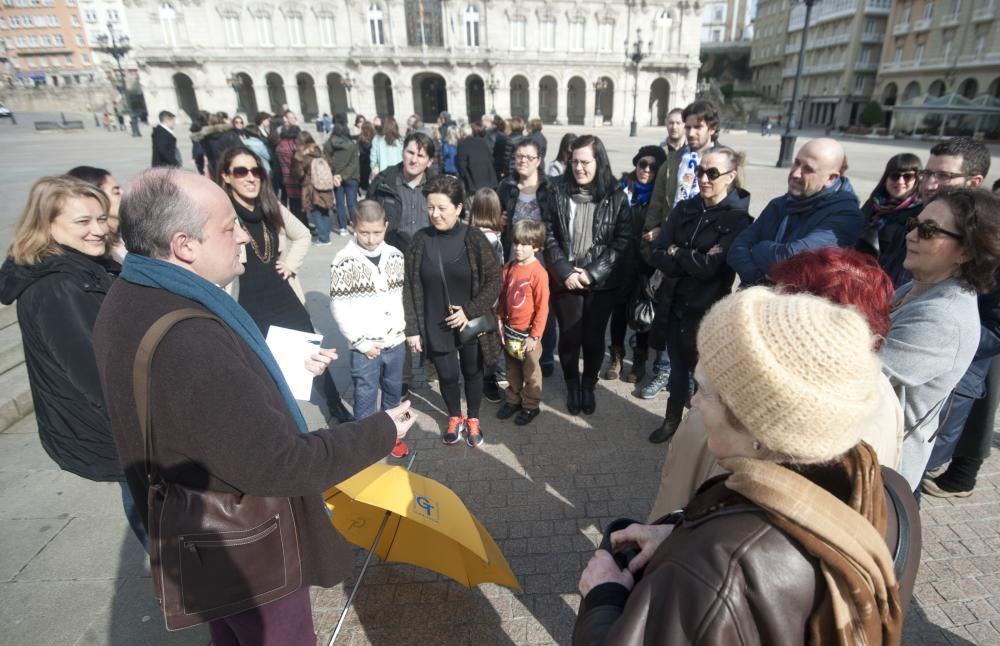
[291,348]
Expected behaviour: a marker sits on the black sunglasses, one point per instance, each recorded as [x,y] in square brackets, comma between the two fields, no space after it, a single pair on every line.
[643,165]
[906,175]
[712,173]
[927,229]
[239,172]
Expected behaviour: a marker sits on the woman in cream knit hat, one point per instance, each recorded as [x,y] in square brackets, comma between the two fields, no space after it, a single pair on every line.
[790,547]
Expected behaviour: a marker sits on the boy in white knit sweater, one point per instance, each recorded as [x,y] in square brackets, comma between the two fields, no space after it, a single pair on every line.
[366,298]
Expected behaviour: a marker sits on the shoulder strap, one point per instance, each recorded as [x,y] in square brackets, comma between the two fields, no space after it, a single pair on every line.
[141,378]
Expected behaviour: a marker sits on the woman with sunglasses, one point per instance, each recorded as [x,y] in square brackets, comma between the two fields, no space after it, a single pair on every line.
[953,251]
[589,233]
[691,249]
[269,289]
[896,199]
[638,185]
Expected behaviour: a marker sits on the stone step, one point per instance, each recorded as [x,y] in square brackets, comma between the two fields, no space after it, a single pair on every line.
[11,350]
[8,315]
[15,396]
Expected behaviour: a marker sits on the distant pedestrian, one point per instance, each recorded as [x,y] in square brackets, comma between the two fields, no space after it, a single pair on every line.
[387,147]
[522,313]
[484,214]
[475,158]
[342,151]
[165,152]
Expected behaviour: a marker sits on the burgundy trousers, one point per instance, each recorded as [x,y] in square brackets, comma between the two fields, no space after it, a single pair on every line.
[285,622]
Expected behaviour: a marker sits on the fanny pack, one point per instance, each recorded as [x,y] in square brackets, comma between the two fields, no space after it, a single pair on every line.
[514,340]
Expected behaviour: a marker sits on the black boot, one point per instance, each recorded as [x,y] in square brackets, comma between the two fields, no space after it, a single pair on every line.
[638,371]
[573,396]
[615,364]
[588,402]
[337,409]
[669,426]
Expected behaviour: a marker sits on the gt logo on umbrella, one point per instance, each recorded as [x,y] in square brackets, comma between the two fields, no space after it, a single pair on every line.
[426,507]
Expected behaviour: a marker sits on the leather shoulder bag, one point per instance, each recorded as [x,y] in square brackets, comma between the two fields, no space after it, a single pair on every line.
[212,554]
[476,327]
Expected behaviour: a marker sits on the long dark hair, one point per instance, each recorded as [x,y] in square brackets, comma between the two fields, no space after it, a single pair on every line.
[270,208]
[566,148]
[604,180]
[898,163]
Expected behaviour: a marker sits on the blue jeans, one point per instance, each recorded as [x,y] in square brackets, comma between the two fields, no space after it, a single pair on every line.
[134,517]
[347,198]
[320,218]
[661,364]
[385,371]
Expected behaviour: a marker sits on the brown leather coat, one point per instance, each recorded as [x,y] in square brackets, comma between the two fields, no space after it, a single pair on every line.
[726,575]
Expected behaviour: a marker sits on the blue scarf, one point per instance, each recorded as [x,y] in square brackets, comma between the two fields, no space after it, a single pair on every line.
[795,206]
[150,272]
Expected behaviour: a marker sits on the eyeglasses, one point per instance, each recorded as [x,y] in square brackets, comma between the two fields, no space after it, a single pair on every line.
[239,172]
[906,175]
[712,173]
[525,158]
[643,165]
[582,163]
[927,229]
[940,176]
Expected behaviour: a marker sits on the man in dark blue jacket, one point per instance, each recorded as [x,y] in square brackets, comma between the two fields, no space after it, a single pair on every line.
[819,210]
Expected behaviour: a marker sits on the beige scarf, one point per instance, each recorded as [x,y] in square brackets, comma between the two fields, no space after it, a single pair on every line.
[861,605]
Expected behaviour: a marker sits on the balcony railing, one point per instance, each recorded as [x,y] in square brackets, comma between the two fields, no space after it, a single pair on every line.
[878,7]
[950,20]
[900,28]
[866,67]
[922,25]
[987,12]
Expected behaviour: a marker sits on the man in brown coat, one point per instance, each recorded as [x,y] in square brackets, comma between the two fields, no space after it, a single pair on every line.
[222,420]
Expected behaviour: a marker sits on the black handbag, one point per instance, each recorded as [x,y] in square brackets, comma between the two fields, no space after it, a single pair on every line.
[476,327]
[642,305]
[212,554]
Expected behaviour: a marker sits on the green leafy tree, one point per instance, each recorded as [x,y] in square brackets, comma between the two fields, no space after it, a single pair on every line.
[871,116]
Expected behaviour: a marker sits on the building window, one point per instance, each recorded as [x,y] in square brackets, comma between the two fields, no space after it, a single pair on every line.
[899,55]
[919,57]
[376,26]
[871,26]
[859,85]
[112,15]
[980,45]
[716,35]
[928,10]
[262,23]
[946,48]
[718,15]
[517,29]
[423,23]
[168,24]
[74,20]
[231,25]
[576,29]
[327,30]
[46,41]
[41,21]
[605,34]
[906,15]
[85,59]
[296,30]
[90,15]
[79,40]
[53,21]
[60,41]
[956,6]
[471,26]
[865,55]
[548,43]
[68,59]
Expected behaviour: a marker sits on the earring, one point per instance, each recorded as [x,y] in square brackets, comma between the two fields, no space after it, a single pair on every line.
[756,445]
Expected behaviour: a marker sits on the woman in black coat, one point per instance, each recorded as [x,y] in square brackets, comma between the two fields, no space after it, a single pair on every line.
[475,158]
[58,272]
[895,200]
[589,232]
[452,278]
[692,248]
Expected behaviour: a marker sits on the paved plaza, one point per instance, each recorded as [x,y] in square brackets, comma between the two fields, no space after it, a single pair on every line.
[71,572]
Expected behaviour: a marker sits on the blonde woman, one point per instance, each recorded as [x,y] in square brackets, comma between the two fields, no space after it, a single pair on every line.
[58,273]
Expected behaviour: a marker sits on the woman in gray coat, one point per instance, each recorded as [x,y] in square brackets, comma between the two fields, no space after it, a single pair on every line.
[952,250]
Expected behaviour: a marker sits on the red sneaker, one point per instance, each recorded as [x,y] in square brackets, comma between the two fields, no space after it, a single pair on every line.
[473,436]
[454,433]
[400,450]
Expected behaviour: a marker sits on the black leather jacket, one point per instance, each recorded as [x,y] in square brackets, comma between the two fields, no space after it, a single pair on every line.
[612,237]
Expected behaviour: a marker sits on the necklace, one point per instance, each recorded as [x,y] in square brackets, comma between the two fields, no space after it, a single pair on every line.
[266,258]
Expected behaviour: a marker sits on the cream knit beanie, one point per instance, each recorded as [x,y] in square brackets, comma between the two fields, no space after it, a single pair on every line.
[796,370]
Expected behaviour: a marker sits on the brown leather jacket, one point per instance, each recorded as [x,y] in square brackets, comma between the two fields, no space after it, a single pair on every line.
[725,575]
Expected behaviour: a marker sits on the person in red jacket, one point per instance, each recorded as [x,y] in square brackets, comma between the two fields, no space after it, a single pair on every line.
[521,316]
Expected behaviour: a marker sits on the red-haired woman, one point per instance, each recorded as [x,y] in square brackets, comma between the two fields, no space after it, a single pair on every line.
[844,276]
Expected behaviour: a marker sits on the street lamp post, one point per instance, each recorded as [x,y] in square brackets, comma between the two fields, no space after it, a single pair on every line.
[636,55]
[118,48]
[787,153]
[236,82]
[492,84]
[599,86]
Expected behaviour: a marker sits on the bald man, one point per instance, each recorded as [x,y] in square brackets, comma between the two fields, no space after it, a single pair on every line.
[819,210]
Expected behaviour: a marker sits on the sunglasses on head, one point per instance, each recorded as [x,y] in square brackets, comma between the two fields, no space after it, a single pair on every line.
[644,165]
[239,172]
[905,175]
[712,173]
[927,229]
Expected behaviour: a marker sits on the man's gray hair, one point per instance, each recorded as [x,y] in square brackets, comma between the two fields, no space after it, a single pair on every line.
[465,130]
[153,209]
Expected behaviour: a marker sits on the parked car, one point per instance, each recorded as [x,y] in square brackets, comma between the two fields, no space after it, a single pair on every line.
[5,112]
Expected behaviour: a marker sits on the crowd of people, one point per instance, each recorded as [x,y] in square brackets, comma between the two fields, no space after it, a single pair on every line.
[827,362]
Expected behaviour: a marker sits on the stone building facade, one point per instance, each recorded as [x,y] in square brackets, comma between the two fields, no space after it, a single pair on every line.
[561,61]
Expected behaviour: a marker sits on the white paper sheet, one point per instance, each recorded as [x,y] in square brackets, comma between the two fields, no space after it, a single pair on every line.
[291,348]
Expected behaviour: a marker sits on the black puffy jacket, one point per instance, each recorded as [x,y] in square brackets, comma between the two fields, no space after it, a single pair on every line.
[57,303]
[612,237]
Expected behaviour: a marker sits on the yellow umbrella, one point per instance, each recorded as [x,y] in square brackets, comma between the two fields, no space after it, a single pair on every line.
[408,518]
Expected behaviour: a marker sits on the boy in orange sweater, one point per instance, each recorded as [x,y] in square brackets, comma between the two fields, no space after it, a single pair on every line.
[521,316]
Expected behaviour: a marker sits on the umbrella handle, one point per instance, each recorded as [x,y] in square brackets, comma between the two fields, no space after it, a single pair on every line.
[413,456]
[357,584]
